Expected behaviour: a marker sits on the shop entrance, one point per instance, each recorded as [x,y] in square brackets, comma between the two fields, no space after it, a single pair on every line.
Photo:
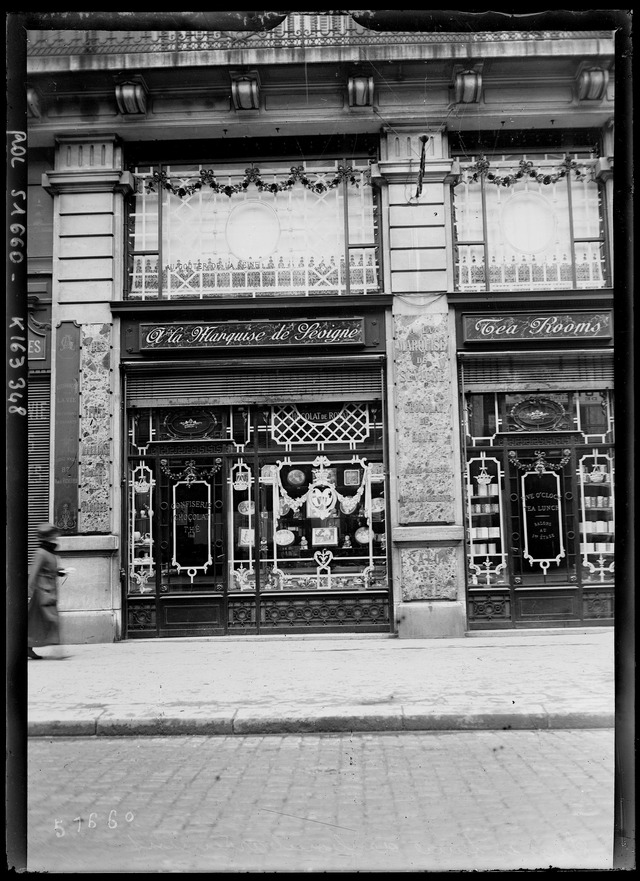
[540,512]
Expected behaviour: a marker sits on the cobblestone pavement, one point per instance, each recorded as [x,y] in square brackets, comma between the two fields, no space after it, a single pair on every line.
[470,800]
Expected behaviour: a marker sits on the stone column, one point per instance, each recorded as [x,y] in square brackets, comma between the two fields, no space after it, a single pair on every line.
[427,532]
[87,185]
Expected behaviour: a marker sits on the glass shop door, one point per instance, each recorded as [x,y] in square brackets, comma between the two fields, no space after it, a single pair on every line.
[177,561]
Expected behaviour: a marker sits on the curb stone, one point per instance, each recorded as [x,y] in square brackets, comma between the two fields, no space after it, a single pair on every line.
[266,721]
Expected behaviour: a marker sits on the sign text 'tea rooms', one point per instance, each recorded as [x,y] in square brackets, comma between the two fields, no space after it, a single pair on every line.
[537,326]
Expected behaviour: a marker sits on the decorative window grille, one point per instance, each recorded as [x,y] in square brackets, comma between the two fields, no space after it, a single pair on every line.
[488,415]
[348,426]
[540,227]
[317,238]
[487,555]
[597,515]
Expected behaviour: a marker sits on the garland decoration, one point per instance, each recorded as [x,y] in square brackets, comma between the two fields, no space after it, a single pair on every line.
[526,168]
[297,175]
[191,474]
[539,464]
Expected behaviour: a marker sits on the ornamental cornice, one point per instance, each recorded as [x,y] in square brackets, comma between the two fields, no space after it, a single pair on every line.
[57,182]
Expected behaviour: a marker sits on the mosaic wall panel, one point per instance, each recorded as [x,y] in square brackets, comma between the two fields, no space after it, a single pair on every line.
[428,574]
[96,435]
[424,419]
[67,412]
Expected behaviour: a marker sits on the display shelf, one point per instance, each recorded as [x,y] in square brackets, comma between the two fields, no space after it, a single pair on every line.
[597,523]
[486,549]
[141,560]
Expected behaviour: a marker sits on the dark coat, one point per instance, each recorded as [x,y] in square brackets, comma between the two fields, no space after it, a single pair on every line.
[42,621]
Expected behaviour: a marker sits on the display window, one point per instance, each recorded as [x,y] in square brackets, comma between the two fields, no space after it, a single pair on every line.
[246,500]
[539,489]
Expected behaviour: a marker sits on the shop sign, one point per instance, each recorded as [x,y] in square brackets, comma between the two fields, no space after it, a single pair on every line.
[539,326]
[67,410]
[542,518]
[319,414]
[252,334]
[192,526]
[38,345]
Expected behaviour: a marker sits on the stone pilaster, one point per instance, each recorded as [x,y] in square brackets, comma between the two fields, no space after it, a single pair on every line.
[427,533]
[87,184]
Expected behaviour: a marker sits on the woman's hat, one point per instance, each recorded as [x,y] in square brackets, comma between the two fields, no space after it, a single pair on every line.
[47,531]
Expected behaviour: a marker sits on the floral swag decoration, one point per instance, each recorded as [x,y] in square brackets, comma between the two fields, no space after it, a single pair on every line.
[539,464]
[526,168]
[297,175]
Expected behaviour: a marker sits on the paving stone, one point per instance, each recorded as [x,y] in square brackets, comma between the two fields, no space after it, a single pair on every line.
[422,801]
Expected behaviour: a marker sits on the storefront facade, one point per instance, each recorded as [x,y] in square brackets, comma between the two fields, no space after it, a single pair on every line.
[313,374]
[539,481]
[256,486]
[536,388]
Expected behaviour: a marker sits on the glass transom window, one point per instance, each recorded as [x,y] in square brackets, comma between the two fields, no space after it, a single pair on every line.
[264,230]
[529,223]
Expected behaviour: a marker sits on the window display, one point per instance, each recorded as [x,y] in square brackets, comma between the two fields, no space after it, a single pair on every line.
[597,522]
[539,488]
[316,531]
[232,499]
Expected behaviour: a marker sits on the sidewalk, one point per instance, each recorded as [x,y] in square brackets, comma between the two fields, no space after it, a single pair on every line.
[290,684]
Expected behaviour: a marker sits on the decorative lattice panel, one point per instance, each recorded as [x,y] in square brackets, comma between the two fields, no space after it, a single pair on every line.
[350,426]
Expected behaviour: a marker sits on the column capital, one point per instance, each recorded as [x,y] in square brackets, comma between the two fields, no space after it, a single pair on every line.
[90,152]
[88,163]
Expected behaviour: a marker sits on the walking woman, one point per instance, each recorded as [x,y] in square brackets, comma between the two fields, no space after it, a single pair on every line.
[43,625]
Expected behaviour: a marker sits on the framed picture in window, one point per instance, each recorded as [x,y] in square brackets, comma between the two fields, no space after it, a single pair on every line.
[324,535]
[377,472]
[246,537]
[352,477]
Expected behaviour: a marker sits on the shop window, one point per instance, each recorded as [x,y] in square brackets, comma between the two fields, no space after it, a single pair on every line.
[287,497]
[529,222]
[264,230]
[539,488]
[312,524]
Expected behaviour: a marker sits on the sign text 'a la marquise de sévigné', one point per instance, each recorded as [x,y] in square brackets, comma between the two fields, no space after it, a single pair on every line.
[243,334]
[537,326]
